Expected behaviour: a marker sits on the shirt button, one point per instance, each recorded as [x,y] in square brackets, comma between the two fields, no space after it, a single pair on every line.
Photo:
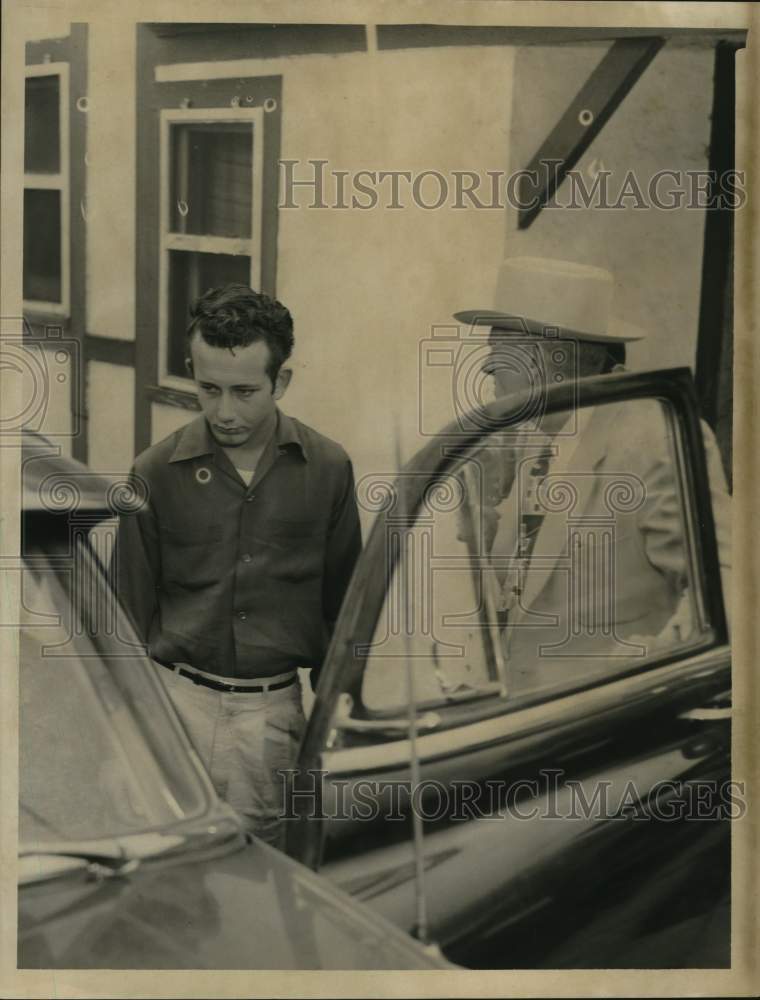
[242,615]
[247,557]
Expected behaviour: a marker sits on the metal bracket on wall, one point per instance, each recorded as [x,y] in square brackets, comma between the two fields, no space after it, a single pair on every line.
[586,115]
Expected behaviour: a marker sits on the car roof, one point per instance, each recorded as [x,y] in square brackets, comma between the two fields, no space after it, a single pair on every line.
[54,483]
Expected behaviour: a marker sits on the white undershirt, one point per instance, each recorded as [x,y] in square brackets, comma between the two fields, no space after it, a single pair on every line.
[245,474]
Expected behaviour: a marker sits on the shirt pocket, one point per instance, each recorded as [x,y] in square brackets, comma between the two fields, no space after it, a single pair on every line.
[192,558]
[297,548]
[284,529]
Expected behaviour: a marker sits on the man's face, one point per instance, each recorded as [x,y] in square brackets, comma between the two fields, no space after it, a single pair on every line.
[234,389]
[520,361]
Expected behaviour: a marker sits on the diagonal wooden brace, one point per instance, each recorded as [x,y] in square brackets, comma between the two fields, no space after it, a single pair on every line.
[584,118]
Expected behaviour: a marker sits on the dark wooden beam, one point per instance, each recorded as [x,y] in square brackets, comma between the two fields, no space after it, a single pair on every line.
[199,42]
[111,350]
[172,397]
[47,50]
[714,359]
[78,75]
[586,115]
[421,36]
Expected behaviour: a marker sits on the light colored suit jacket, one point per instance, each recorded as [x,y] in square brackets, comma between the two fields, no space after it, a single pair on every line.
[611,558]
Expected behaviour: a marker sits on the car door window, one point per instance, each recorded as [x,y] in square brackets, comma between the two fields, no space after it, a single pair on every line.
[552,556]
[436,615]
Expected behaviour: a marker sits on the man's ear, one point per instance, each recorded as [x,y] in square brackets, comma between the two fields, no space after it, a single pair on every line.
[282,382]
[189,367]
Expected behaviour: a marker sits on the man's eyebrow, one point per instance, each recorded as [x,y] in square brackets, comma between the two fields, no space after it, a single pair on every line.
[242,385]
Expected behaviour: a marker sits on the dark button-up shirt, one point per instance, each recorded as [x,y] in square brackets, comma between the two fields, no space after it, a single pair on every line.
[236,580]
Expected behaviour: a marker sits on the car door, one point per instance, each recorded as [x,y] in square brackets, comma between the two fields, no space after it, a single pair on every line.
[533,661]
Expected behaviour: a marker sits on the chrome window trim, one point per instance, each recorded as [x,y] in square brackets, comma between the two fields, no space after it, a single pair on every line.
[524,723]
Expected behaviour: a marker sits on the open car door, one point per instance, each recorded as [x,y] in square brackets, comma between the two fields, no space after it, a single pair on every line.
[547,585]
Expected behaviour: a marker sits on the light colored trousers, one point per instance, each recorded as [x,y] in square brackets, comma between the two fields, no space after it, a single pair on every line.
[243,740]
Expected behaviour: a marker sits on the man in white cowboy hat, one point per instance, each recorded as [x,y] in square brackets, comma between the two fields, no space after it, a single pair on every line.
[588,539]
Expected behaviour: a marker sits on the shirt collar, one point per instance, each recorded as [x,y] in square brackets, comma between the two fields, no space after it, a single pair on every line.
[287,434]
[196,440]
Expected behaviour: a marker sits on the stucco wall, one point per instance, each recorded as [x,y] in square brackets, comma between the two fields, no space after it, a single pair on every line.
[111,394]
[367,287]
[663,123]
[111,183]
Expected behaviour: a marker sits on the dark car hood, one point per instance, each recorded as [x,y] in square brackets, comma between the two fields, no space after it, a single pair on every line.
[253,908]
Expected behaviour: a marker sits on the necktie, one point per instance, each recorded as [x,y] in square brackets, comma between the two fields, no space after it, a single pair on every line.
[530,519]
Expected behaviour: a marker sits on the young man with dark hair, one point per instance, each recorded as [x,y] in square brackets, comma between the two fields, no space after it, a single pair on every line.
[235,567]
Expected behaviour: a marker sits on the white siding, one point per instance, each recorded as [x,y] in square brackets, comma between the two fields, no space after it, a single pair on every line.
[111,182]
[111,395]
[166,419]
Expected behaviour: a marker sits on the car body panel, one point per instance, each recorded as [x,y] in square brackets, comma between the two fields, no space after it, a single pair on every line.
[497,870]
[53,483]
[251,908]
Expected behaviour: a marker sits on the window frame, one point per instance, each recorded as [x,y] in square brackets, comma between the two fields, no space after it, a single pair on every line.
[195,243]
[61,182]
[495,692]
[211,90]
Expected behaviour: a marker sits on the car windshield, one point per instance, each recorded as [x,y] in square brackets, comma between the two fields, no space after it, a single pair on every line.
[99,754]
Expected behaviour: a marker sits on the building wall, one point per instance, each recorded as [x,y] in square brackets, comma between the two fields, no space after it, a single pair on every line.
[663,123]
[111,183]
[39,382]
[111,395]
[366,288]
[166,419]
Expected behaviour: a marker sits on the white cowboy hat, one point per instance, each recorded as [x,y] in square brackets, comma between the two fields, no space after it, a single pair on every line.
[537,294]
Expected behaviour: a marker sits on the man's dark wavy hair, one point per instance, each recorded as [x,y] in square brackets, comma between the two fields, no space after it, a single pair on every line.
[236,316]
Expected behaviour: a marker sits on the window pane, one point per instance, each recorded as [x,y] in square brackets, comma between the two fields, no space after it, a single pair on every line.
[83,770]
[434,617]
[42,246]
[574,538]
[212,179]
[42,131]
[585,521]
[190,275]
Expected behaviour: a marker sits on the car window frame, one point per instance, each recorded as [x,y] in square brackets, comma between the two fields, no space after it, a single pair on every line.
[56,531]
[363,604]
[674,387]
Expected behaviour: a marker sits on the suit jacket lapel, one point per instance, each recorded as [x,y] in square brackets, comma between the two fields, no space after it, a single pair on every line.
[580,455]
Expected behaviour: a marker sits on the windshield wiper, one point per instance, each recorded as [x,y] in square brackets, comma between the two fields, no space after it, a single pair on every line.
[106,859]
